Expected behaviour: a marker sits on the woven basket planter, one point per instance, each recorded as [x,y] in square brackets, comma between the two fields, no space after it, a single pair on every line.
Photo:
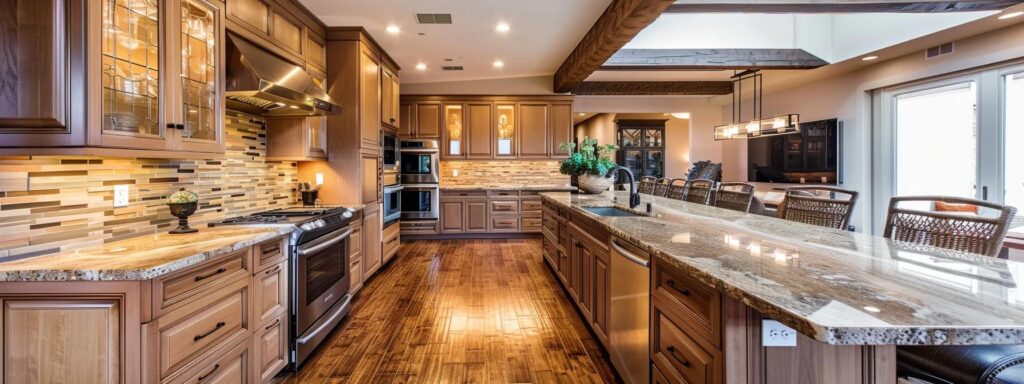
[595,184]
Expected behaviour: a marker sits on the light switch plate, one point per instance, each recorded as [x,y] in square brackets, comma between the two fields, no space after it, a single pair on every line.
[774,334]
[120,195]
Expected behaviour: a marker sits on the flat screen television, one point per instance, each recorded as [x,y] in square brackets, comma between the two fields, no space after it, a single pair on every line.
[810,156]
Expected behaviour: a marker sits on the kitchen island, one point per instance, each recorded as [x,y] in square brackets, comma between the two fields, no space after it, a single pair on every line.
[717,273]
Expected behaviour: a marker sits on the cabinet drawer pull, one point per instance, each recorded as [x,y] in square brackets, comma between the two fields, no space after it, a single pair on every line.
[271,271]
[683,291]
[393,240]
[672,351]
[208,374]
[217,272]
[272,325]
[220,325]
[276,248]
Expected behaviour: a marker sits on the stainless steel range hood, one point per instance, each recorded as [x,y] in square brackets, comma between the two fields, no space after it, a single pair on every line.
[261,83]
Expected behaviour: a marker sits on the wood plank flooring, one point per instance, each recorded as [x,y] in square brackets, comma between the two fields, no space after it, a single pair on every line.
[460,311]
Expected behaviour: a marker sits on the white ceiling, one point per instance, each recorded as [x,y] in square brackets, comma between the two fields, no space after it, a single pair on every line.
[542,34]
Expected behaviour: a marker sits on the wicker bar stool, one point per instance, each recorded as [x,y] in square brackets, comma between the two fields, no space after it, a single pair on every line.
[676,189]
[661,187]
[646,185]
[699,191]
[735,196]
[966,232]
[802,204]
[959,231]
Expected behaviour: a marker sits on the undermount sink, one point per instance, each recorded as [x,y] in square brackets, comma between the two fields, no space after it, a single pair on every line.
[611,212]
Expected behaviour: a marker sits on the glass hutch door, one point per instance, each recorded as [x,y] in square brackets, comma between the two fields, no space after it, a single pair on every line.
[201,99]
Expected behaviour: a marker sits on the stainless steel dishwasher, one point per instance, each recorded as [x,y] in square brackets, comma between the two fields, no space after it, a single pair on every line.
[629,321]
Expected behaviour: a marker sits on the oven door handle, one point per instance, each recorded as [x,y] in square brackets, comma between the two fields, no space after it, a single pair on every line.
[328,243]
[323,326]
[420,150]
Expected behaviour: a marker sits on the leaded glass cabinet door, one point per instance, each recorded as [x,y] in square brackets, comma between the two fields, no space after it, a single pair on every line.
[132,74]
[200,42]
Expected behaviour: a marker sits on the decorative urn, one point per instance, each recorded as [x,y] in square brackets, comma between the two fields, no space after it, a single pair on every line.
[183,204]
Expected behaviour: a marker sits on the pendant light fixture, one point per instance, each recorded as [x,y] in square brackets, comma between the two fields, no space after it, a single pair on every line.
[758,126]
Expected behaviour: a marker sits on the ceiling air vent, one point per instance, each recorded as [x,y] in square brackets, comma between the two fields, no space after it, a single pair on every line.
[434,18]
[939,50]
[452,68]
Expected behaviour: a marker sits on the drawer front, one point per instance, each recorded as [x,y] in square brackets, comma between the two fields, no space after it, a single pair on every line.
[500,194]
[355,247]
[509,207]
[391,242]
[356,272]
[691,299]
[504,224]
[418,227]
[530,224]
[679,355]
[179,286]
[229,368]
[271,293]
[270,348]
[531,207]
[462,194]
[270,253]
[658,378]
[204,329]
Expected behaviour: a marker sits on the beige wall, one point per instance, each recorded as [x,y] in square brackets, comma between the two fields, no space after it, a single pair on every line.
[677,136]
[847,97]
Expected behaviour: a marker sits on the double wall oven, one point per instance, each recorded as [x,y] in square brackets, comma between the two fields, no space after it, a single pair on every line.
[419,172]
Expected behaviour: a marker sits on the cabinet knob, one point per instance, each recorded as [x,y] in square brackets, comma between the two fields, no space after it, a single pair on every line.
[170,125]
[180,126]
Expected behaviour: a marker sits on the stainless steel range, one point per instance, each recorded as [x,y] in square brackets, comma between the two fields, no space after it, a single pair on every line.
[318,270]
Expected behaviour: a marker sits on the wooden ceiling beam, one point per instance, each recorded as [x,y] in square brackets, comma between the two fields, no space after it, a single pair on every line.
[839,6]
[710,59]
[634,88]
[619,23]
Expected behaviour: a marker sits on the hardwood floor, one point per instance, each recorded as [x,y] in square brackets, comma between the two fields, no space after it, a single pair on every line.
[465,311]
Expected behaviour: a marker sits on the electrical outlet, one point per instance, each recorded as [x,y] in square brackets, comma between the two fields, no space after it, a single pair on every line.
[120,195]
[455,173]
[774,334]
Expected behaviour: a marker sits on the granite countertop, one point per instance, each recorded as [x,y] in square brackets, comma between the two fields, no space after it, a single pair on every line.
[508,187]
[139,258]
[838,287]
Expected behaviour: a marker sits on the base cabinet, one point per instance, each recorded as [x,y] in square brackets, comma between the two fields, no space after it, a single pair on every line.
[56,340]
[470,213]
[270,344]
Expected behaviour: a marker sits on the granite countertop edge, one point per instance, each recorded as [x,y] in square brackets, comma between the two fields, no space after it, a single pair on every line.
[133,274]
[508,187]
[889,335]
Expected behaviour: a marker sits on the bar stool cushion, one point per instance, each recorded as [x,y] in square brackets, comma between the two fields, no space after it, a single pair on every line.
[983,364]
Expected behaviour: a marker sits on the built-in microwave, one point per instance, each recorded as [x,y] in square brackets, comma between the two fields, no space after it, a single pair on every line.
[392,203]
[418,162]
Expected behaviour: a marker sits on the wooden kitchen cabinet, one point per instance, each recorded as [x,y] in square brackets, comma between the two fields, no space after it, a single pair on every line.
[389,84]
[145,98]
[517,127]
[370,166]
[370,97]
[372,241]
[455,133]
[355,255]
[561,129]
[479,119]
[392,240]
[270,348]
[453,216]
[270,293]
[63,340]
[297,138]
[273,26]
[476,216]
[534,118]
[316,52]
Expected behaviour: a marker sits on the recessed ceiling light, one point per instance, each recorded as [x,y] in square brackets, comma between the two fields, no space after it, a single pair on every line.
[1011,15]
[582,114]
[502,27]
[872,309]
[393,29]
[869,58]
[421,66]
[498,64]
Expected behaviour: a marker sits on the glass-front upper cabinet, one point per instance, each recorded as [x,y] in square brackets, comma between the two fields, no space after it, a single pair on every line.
[505,130]
[453,131]
[151,98]
[200,72]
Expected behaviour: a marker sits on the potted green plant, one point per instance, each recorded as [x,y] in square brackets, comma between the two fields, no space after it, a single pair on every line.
[592,164]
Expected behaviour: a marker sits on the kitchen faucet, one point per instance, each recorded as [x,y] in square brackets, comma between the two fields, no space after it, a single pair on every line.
[634,195]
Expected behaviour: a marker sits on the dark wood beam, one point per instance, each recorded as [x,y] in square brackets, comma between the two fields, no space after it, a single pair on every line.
[840,6]
[619,23]
[636,88]
[710,59]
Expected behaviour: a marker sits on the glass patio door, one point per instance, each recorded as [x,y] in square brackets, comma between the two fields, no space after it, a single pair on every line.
[960,136]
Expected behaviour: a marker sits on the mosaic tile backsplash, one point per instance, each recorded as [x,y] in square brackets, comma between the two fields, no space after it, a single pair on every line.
[52,204]
[483,172]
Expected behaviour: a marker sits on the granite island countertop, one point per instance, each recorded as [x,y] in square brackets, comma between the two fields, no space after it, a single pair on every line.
[508,187]
[139,258]
[837,287]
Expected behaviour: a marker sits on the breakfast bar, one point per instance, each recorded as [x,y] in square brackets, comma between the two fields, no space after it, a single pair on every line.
[852,297]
